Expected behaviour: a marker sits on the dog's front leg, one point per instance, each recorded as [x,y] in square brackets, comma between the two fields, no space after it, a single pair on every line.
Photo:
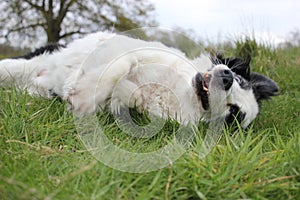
[126,94]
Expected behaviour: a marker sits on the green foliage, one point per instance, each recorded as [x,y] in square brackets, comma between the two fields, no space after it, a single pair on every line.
[43,158]
[9,51]
[246,47]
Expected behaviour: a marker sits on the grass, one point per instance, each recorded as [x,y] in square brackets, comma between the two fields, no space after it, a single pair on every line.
[42,156]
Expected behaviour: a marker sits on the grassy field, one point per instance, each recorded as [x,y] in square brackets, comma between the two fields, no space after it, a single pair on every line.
[42,156]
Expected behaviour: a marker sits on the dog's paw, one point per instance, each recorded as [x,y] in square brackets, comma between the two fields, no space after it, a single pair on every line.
[136,99]
[116,105]
[126,94]
[81,102]
[126,99]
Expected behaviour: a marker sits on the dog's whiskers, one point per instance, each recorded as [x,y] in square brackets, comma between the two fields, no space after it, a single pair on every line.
[236,65]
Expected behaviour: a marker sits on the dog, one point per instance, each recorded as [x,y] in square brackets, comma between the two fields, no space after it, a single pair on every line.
[107,70]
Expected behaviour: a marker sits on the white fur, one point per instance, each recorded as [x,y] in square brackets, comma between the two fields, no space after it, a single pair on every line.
[104,69]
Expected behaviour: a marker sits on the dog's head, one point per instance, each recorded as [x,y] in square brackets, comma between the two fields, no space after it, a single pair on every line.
[230,91]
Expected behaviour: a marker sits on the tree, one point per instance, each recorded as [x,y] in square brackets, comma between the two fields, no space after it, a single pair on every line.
[53,20]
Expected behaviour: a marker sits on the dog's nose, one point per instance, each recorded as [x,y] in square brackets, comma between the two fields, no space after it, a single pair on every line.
[227,78]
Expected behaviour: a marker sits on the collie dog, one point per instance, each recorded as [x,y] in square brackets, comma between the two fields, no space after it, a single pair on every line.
[106,70]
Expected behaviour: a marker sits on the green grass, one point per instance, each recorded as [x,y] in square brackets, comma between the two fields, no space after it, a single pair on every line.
[42,157]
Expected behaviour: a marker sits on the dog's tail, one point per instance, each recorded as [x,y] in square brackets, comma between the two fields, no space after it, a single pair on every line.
[14,71]
[19,72]
[24,71]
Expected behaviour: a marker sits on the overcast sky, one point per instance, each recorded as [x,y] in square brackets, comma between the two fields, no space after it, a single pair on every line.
[271,20]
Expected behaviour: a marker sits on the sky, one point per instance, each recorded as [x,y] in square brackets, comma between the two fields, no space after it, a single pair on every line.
[218,20]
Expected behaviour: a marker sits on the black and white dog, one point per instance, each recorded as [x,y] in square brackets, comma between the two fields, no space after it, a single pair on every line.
[108,70]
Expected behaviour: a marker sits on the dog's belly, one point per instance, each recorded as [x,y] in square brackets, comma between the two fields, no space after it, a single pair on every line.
[165,91]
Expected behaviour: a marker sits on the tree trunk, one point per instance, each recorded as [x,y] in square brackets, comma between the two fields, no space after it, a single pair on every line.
[53,26]
[53,32]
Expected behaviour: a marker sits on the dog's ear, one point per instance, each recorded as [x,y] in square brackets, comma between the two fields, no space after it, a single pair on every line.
[219,57]
[262,86]
[241,66]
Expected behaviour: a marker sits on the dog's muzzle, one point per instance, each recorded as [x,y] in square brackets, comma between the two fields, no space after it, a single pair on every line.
[201,82]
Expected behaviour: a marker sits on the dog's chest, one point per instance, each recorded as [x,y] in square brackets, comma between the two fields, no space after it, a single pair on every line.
[166,92]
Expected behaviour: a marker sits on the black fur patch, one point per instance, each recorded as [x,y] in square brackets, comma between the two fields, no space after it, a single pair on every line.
[49,48]
[263,87]
[244,84]
[235,116]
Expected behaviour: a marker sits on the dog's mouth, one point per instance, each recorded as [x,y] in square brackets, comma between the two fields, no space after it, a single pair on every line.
[201,85]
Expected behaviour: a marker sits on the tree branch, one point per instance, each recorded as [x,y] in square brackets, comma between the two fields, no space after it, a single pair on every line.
[43,4]
[39,8]
[23,27]
[72,33]
[63,10]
